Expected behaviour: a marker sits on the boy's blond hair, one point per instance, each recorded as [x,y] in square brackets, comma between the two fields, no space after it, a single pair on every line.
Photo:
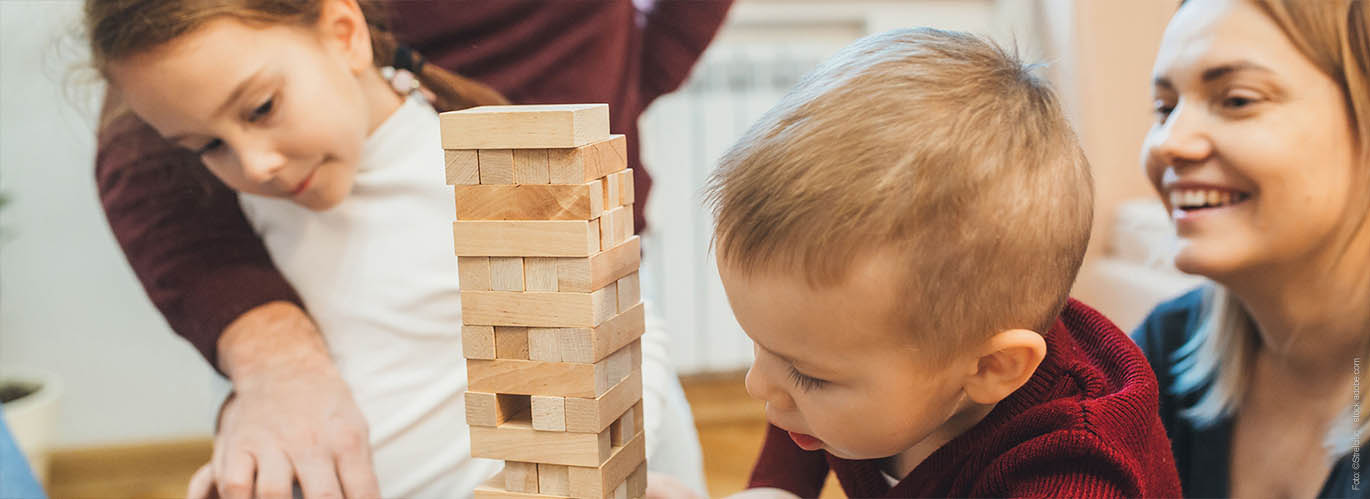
[939,145]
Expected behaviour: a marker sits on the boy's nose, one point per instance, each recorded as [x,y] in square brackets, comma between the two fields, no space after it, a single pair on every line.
[760,388]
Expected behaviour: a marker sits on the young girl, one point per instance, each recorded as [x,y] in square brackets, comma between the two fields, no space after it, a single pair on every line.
[339,174]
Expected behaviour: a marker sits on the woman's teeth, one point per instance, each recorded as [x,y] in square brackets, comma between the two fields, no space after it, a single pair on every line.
[1191,199]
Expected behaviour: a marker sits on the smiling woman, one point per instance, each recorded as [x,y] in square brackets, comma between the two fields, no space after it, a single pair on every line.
[1260,150]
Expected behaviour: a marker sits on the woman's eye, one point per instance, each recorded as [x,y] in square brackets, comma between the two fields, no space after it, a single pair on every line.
[262,111]
[1162,109]
[804,382]
[210,147]
[1237,102]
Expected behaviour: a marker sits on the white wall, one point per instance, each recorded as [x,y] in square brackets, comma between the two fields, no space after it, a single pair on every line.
[68,301]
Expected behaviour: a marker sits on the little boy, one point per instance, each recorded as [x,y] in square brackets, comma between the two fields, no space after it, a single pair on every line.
[898,237]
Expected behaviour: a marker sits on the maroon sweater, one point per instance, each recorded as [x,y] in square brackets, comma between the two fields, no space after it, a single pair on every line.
[1084,425]
[198,258]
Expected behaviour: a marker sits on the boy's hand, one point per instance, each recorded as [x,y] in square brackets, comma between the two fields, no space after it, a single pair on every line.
[663,486]
[291,418]
[764,493]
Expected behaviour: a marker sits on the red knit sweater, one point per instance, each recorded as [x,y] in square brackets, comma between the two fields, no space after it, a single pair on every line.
[1084,425]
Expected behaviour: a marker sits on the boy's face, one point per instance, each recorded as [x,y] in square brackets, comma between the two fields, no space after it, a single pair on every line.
[837,368]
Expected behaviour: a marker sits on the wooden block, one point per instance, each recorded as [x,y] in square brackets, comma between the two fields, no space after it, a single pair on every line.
[521,477]
[625,185]
[624,429]
[588,415]
[524,127]
[586,163]
[621,492]
[463,167]
[496,166]
[623,223]
[518,441]
[607,234]
[553,479]
[597,271]
[612,191]
[539,309]
[637,482]
[620,363]
[530,202]
[587,345]
[506,273]
[525,238]
[494,488]
[530,166]
[478,342]
[540,274]
[600,482]
[549,413]
[511,342]
[473,272]
[490,409]
[533,377]
[629,292]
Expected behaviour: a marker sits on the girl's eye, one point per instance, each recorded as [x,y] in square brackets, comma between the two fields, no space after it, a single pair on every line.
[805,383]
[212,146]
[262,111]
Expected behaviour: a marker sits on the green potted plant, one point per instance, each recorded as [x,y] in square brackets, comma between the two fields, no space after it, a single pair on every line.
[29,401]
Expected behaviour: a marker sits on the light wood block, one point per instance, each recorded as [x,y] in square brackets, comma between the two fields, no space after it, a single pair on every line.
[495,488]
[607,235]
[620,363]
[587,345]
[553,479]
[518,441]
[586,163]
[490,409]
[629,291]
[540,274]
[549,413]
[496,166]
[511,342]
[588,415]
[637,482]
[530,202]
[612,192]
[597,271]
[530,166]
[478,342]
[506,273]
[623,223]
[539,309]
[625,185]
[521,477]
[524,127]
[463,167]
[532,377]
[525,238]
[624,429]
[473,272]
[600,482]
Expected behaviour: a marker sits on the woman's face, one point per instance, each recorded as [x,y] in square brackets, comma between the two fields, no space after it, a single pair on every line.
[1252,150]
[278,111]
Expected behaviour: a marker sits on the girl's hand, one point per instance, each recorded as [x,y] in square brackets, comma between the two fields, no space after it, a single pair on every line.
[291,418]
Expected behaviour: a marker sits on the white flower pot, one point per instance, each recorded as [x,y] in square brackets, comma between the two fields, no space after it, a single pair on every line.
[33,419]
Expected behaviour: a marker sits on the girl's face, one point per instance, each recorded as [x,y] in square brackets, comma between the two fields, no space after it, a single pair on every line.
[1252,150]
[278,110]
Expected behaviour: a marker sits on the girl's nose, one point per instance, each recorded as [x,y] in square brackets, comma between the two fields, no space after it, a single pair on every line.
[260,164]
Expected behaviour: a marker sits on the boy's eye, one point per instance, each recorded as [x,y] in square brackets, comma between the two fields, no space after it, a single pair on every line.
[805,382]
[262,110]
[210,147]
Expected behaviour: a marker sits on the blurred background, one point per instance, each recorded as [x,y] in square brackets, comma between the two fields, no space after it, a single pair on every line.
[126,407]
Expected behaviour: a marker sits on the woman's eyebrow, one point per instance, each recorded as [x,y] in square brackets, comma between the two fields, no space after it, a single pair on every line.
[1224,70]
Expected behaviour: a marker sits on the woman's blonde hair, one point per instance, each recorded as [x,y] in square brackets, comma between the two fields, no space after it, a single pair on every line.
[120,28]
[1335,36]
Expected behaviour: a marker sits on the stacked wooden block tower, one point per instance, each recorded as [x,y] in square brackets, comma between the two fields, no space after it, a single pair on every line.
[549,299]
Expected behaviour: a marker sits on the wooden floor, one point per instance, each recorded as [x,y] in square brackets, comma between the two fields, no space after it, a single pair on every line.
[731,427]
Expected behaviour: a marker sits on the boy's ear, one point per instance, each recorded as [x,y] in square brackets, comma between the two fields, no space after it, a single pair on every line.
[343,25]
[1006,361]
